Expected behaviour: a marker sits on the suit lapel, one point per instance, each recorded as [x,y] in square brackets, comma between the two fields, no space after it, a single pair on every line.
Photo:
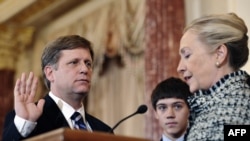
[52,112]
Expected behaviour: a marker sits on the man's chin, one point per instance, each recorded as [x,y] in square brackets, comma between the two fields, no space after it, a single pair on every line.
[81,93]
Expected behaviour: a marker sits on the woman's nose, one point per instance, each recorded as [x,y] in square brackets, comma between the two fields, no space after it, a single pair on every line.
[180,67]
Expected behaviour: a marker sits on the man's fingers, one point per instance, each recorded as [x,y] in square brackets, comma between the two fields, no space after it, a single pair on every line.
[33,88]
[29,83]
[23,84]
[25,89]
[17,88]
[24,96]
[40,104]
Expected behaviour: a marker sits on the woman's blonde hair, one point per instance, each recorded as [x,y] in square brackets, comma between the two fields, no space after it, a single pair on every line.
[228,29]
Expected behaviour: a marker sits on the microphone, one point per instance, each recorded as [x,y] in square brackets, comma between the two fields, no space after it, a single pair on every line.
[141,109]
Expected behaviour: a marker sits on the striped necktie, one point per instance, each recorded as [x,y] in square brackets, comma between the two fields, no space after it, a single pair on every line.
[78,121]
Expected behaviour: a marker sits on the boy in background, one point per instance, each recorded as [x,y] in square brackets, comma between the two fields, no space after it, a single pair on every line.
[169,100]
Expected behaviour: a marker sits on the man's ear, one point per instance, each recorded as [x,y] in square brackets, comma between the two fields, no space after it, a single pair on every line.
[48,70]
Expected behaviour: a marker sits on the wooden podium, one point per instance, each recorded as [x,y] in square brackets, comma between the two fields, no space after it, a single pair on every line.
[67,134]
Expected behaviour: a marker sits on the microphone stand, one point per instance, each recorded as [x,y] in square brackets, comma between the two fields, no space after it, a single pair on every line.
[142,109]
[111,131]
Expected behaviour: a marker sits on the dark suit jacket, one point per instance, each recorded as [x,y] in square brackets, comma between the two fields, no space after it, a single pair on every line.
[51,119]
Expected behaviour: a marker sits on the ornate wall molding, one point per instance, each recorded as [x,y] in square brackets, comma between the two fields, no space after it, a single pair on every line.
[13,40]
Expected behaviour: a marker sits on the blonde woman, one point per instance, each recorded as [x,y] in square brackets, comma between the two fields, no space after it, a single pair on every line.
[213,49]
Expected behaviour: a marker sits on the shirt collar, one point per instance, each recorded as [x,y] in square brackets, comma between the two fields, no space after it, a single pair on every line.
[66,109]
[165,138]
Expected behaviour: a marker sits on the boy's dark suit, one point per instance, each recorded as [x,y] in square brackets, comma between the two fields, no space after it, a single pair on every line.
[51,119]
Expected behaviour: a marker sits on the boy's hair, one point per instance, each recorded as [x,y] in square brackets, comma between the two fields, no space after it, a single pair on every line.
[170,88]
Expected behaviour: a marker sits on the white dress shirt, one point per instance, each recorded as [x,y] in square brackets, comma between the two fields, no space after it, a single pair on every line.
[165,138]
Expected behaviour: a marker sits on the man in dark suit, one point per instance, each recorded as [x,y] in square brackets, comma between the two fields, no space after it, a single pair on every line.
[67,65]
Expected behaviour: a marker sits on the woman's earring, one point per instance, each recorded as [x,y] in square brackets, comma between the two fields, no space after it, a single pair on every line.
[217,64]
